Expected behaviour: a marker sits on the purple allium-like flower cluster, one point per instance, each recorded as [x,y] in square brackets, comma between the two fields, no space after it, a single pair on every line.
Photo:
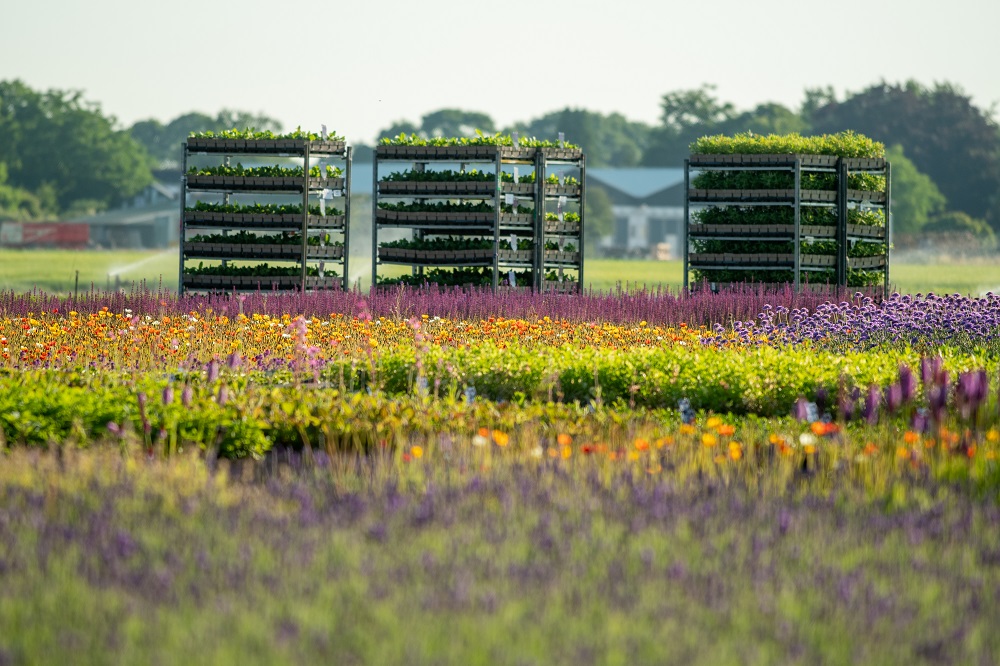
[922,322]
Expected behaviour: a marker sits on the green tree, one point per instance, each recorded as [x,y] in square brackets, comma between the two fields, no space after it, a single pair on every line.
[947,137]
[17,203]
[685,115]
[55,141]
[455,122]
[600,219]
[163,142]
[915,197]
[956,222]
[607,140]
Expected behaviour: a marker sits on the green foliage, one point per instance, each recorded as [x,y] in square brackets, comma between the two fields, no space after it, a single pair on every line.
[956,222]
[252,133]
[19,204]
[945,135]
[915,197]
[480,139]
[608,140]
[163,142]
[276,171]
[842,144]
[59,140]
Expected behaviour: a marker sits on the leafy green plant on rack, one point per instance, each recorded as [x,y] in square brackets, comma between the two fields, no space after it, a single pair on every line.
[523,244]
[249,238]
[448,243]
[825,247]
[259,270]
[250,133]
[260,209]
[481,139]
[855,277]
[783,180]
[809,215]
[276,171]
[443,176]
[554,276]
[437,207]
[842,144]
[567,217]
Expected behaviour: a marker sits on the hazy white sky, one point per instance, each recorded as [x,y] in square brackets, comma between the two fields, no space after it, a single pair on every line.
[359,65]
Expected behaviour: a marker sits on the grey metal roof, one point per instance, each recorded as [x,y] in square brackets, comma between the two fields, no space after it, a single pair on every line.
[638,182]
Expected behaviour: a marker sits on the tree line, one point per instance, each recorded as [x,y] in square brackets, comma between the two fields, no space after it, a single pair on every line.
[61,154]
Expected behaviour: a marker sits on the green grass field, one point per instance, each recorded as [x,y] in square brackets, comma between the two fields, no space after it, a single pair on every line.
[56,270]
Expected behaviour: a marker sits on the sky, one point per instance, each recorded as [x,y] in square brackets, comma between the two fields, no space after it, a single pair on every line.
[358,66]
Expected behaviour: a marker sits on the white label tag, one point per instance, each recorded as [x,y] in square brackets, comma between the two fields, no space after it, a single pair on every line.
[508,199]
[515,137]
[562,139]
[322,170]
[561,241]
[322,267]
[562,201]
[513,241]
[322,206]
[516,178]
[338,193]
[322,132]
[512,278]
[325,194]
[560,216]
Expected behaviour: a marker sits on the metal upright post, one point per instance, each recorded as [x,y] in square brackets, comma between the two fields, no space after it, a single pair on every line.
[348,165]
[583,205]
[798,222]
[842,217]
[497,202]
[183,226]
[538,246]
[305,213]
[687,217]
[888,224]
[374,220]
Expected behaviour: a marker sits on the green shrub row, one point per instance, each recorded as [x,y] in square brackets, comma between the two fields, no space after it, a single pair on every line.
[842,144]
[353,405]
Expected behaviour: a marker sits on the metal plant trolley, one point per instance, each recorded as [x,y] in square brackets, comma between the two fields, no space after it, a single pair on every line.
[514,211]
[800,263]
[304,265]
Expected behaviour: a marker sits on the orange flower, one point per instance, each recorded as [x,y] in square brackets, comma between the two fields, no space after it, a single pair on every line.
[500,437]
[870,449]
[641,444]
[911,437]
[903,453]
[564,440]
[726,430]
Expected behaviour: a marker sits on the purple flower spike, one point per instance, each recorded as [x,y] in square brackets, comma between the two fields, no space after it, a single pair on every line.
[223,396]
[907,382]
[893,397]
[213,370]
[801,410]
[187,395]
[233,361]
[168,395]
[870,411]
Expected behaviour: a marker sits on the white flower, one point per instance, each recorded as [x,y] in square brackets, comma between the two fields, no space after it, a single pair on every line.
[807,439]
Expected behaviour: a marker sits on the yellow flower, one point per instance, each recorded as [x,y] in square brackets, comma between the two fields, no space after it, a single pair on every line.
[417,451]
[713,422]
[566,452]
[709,440]
[735,450]
[500,437]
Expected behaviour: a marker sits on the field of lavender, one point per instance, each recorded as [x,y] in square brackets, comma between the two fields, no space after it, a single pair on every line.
[417,476]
